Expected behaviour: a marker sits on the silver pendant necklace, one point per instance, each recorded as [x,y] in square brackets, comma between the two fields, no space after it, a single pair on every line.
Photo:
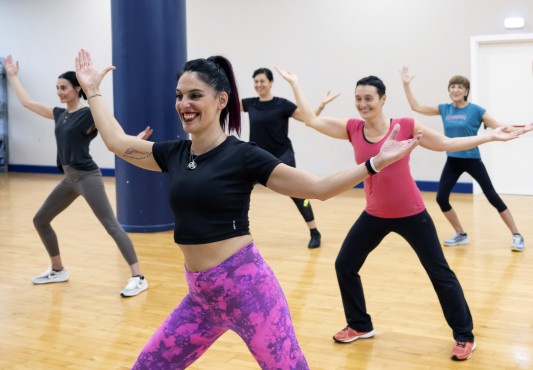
[192,164]
[68,114]
[192,158]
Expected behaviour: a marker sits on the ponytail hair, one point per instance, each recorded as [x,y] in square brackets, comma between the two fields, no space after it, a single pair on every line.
[70,76]
[217,72]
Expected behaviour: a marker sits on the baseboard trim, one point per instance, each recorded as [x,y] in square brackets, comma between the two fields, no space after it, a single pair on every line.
[48,169]
[429,186]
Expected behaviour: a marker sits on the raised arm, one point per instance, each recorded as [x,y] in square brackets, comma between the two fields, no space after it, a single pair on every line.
[12,70]
[334,127]
[132,149]
[328,98]
[297,183]
[433,140]
[422,109]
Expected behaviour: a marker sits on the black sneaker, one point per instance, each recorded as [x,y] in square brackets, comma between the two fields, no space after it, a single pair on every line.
[315,241]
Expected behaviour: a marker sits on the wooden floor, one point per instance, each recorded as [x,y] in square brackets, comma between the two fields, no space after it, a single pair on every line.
[84,324]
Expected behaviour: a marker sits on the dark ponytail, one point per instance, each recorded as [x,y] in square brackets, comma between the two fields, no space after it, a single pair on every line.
[217,72]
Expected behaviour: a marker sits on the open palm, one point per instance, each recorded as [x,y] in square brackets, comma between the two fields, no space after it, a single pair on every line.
[88,76]
[393,150]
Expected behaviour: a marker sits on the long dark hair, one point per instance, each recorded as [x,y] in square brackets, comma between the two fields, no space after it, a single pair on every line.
[70,76]
[217,72]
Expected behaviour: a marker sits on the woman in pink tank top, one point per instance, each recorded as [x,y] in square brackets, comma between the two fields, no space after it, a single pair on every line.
[394,204]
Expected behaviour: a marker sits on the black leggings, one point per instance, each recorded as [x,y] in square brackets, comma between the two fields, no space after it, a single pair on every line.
[419,231]
[304,205]
[451,172]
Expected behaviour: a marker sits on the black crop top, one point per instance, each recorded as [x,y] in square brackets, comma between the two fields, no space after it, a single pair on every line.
[211,202]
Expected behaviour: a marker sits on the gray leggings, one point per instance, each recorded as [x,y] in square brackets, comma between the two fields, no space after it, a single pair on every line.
[88,184]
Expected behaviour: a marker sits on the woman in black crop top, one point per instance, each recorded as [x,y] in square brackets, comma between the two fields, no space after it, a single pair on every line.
[74,130]
[212,176]
[269,128]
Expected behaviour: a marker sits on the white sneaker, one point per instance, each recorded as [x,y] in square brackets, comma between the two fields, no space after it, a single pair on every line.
[135,286]
[51,276]
[457,239]
[518,243]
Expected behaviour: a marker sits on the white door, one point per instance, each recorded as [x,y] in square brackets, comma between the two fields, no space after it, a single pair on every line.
[502,83]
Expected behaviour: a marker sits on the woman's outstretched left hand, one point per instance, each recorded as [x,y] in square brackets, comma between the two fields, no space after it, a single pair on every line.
[393,150]
[528,127]
[502,133]
[289,76]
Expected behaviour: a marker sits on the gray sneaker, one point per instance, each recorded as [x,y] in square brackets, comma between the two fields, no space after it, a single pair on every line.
[518,243]
[51,276]
[135,286]
[457,239]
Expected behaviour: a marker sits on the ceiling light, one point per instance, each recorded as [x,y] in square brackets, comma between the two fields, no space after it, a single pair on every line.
[514,23]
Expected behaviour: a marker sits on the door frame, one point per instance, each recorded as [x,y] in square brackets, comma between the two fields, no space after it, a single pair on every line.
[476,42]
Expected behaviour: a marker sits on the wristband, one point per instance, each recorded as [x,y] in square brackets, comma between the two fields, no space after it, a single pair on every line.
[369,168]
[371,160]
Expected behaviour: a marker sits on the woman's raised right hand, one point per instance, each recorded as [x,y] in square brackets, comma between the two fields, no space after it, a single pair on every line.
[88,76]
[12,67]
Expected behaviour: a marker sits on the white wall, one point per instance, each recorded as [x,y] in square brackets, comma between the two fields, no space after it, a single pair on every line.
[45,37]
[330,44]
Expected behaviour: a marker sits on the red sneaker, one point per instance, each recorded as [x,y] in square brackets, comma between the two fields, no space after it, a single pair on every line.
[462,350]
[348,335]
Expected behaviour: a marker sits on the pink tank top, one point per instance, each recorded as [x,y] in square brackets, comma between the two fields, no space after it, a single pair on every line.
[391,193]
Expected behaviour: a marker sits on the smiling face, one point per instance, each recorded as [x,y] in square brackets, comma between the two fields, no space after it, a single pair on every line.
[262,85]
[66,92]
[198,104]
[458,93]
[367,101]
[458,89]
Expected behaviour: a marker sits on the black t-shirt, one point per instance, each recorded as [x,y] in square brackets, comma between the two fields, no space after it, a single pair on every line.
[74,132]
[211,202]
[269,123]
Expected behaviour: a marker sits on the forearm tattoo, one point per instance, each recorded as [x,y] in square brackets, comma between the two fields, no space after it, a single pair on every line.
[132,154]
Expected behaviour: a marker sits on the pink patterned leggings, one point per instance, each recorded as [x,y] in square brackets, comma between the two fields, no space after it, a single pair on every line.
[240,294]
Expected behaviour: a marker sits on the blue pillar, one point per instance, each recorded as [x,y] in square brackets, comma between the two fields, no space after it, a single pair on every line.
[149,47]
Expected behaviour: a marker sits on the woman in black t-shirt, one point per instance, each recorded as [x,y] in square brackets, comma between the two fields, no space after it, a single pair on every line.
[212,177]
[269,128]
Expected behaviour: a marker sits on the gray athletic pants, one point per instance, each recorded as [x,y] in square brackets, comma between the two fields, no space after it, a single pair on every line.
[90,185]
